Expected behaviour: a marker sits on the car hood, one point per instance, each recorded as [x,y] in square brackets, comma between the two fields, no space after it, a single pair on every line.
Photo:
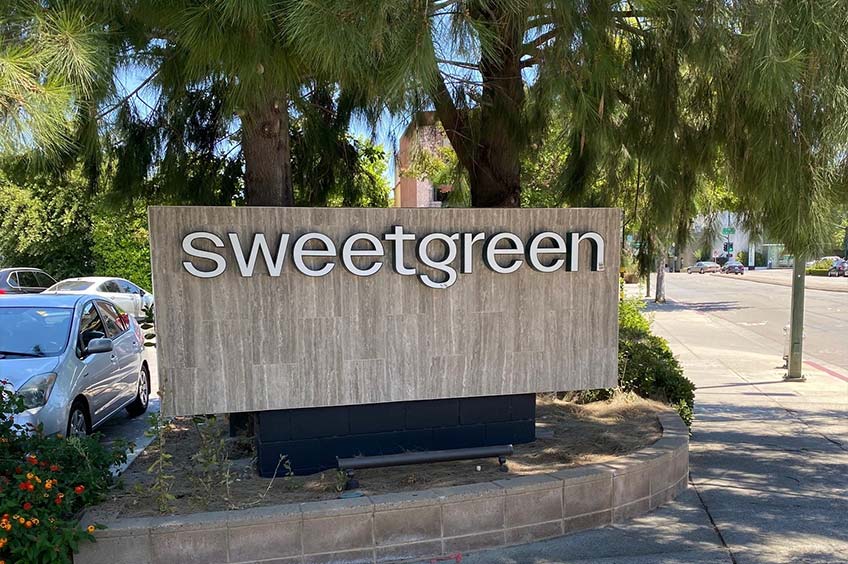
[17,371]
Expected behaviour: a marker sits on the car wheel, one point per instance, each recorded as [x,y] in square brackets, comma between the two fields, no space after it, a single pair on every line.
[702,271]
[79,421]
[142,396]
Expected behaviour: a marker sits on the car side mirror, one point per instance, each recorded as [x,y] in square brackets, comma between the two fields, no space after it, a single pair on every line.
[98,346]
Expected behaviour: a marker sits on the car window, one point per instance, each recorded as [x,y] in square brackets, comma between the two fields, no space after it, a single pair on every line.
[109,286]
[26,279]
[91,327]
[128,287]
[113,320]
[12,280]
[71,286]
[44,281]
[34,331]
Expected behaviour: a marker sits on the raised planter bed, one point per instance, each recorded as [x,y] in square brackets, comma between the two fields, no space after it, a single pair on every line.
[413,525]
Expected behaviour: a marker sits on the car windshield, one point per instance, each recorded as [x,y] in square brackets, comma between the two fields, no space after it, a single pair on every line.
[34,331]
[70,286]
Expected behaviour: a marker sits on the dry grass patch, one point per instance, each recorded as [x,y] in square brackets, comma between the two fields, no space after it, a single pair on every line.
[568,434]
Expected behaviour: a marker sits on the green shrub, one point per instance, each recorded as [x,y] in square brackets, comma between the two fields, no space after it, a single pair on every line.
[45,482]
[646,365]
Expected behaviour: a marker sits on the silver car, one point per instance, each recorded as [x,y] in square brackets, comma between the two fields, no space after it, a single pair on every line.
[703,266]
[75,360]
[123,293]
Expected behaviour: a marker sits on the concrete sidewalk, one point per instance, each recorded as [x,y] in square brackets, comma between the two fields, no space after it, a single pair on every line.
[769,463]
[783,277]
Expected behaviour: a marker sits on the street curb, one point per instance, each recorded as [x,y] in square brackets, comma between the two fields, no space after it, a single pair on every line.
[411,526]
[773,283]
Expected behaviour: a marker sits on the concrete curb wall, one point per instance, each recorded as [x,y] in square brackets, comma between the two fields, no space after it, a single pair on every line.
[411,525]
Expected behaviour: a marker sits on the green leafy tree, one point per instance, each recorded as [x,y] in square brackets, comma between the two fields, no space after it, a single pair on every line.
[45,223]
[330,167]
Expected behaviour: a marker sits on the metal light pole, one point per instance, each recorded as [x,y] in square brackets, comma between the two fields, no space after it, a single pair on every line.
[796,323]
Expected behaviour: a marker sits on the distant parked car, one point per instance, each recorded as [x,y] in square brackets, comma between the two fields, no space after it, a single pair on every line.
[733,267]
[838,268]
[74,360]
[24,281]
[124,293]
[703,266]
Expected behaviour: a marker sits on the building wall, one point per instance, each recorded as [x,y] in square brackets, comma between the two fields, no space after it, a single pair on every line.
[423,134]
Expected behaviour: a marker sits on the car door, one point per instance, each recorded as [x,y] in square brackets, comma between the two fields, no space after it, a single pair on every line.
[128,287]
[126,351]
[99,370]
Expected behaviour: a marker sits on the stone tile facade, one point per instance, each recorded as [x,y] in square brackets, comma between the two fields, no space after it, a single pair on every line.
[411,526]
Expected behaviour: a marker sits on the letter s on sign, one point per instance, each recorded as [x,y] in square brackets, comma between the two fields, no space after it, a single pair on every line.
[220,262]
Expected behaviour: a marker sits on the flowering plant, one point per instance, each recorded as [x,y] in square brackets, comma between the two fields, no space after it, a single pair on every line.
[45,482]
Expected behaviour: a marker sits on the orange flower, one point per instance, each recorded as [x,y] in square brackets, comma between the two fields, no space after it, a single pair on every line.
[79,489]
[28,524]
[48,485]
[32,460]
[54,468]
[90,529]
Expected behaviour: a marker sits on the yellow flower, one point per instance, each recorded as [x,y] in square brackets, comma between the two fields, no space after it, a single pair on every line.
[21,520]
[29,475]
[90,529]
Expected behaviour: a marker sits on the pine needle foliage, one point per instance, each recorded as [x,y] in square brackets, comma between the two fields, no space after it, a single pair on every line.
[53,58]
[750,95]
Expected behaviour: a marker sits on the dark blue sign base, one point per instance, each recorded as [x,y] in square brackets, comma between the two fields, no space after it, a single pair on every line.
[312,438]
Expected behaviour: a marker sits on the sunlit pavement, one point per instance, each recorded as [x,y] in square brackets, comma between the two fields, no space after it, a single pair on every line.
[769,459]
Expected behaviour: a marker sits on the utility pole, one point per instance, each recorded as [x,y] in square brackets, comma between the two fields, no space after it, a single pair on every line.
[796,329]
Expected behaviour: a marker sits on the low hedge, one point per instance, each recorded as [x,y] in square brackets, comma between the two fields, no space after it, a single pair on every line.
[646,365]
[817,271]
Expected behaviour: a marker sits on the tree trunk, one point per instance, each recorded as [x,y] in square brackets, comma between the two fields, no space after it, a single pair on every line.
[267,155]
[660,296]
[648,282]
[489,145]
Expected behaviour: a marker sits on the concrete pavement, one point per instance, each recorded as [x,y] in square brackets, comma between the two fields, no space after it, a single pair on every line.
[769,459]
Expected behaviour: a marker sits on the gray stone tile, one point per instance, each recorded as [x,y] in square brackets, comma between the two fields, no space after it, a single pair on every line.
[407,525]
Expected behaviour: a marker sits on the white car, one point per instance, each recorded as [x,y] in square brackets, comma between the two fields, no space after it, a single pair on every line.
[126,295]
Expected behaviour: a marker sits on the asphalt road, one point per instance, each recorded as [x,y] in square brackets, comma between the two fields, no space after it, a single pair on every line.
[764,310]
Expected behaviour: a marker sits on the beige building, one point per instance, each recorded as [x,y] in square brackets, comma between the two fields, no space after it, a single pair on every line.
[423,134]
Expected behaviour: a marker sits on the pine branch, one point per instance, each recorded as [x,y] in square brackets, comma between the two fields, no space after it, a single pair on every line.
[532,45]
[453,120]
[123,100]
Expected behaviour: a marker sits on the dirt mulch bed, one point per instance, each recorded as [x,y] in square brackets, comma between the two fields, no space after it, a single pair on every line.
[568,435]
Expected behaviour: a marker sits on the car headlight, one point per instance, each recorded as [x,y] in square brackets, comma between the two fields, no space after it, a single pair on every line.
[36,391]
